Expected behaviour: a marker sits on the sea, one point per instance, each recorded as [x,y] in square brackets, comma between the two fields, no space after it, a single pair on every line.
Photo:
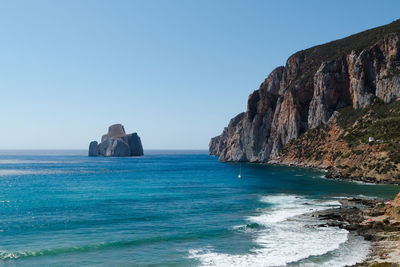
[170,208]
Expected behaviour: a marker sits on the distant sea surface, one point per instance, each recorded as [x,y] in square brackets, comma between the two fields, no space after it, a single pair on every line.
[169,208]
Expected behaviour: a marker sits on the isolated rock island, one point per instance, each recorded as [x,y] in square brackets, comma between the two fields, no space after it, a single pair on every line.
[116,143]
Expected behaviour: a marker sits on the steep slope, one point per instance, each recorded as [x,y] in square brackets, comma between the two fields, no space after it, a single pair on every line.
[306,92]
[344,148]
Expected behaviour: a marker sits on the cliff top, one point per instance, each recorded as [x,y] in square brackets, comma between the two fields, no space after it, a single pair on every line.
[116,130]
[310,59]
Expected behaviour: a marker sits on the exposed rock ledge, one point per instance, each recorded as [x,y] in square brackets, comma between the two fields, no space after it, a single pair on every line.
[377,221]
[116,143]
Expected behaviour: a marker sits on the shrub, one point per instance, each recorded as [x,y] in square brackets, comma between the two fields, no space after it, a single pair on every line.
[345,156]
[337,154]
[358,152]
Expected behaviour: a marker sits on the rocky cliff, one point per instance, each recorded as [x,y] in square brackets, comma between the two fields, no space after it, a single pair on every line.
[305,93]
[116,143]
[343,145]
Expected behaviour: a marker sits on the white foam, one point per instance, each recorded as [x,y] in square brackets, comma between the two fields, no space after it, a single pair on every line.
[281,199]
[285,236]
[353,251]
[356,196]
[363,183]
[331,203]
[287,206]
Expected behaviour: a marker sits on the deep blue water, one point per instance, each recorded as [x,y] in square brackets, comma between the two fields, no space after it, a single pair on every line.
[63,208]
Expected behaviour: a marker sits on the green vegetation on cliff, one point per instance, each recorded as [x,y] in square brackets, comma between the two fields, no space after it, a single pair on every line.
[381,121]
[345,144]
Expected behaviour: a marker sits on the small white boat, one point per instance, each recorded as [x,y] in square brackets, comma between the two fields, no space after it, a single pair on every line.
[240,172]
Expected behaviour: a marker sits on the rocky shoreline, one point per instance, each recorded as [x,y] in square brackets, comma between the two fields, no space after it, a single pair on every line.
[332,173]
[375,220]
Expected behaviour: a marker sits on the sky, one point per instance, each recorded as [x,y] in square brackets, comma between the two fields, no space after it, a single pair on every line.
[173,71]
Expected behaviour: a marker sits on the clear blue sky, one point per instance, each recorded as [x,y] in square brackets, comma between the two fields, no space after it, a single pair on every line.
[174,71]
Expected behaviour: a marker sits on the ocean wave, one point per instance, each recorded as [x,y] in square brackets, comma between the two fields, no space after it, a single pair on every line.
[282,236]
[250,227]
[13,172]
[29,161]
[356,196]
[20,172]
[19,161]
[354,250]
[12,255]
[364,183]
[287,206]
[6,255]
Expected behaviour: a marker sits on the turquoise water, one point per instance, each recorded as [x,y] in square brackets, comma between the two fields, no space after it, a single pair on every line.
[61,208]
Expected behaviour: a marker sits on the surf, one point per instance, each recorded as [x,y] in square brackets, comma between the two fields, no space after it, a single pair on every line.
[283,235]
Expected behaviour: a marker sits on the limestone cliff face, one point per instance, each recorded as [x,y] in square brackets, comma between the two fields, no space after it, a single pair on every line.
[116,143]
[306,92]
[356,79]
[273,117]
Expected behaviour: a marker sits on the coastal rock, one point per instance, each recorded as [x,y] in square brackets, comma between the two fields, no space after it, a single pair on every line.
[116,143]
[93,149]
[116,130]
[114,147]
[392,208]
[134,143]
[307,91]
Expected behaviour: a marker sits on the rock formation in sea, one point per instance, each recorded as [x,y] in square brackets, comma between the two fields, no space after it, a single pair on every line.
[308,91]
[116,143]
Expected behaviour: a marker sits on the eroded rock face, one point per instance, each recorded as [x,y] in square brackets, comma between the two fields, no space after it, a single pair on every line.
[116,143]
[331,83]
[291,100]
[356,79]
[93,149]
[392,208]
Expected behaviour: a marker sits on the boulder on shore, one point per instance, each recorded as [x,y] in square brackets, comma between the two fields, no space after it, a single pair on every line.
[116,143]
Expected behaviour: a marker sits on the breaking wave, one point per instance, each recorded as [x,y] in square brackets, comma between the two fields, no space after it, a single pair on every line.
[283,236]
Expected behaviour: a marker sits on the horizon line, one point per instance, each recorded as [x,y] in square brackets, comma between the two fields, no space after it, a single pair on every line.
[151,149]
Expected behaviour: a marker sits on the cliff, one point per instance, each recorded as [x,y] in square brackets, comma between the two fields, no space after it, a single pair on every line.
[116,143]
[353,72]
[343,146]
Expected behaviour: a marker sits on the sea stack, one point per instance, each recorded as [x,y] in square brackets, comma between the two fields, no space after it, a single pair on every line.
[116,143]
